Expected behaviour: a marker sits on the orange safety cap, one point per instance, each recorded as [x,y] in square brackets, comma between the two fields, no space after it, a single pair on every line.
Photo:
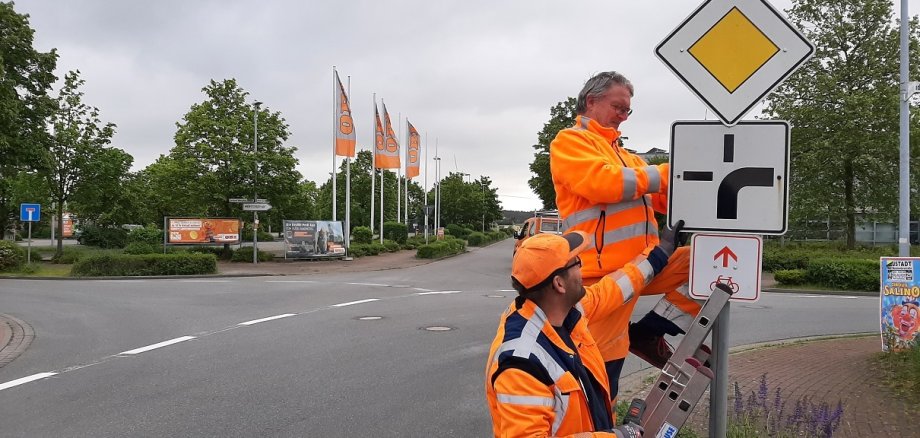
[541,255]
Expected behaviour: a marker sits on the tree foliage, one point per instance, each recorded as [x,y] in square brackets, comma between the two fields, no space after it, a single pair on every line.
[470,204]
[843,106]
[26,76]
[78,158]
[561,116]
[214,159]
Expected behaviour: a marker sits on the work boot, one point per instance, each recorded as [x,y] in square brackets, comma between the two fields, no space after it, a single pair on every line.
[648,346]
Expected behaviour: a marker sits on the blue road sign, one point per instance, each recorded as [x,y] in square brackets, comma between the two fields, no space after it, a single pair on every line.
[30,212]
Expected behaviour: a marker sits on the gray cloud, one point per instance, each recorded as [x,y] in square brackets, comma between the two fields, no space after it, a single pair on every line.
[480,76]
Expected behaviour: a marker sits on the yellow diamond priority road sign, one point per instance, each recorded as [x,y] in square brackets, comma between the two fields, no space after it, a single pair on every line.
[732,53]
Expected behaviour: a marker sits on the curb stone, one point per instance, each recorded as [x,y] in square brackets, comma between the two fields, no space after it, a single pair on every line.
[15,337]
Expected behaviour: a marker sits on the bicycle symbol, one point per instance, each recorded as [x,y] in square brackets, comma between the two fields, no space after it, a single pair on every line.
[725,280]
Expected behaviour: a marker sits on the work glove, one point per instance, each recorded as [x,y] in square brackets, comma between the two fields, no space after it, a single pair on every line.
[670,238]
[628,431]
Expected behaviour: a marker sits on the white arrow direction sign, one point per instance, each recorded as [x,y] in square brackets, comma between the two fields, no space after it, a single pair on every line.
[256,207]
[732,260]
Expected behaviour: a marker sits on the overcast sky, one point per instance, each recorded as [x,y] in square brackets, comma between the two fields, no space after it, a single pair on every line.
[480,76]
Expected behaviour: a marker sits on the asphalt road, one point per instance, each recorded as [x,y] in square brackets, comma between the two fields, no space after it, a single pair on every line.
[192,358]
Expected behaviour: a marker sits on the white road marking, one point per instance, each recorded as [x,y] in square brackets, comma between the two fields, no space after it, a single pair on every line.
[270,318]
[205,281]
[26,379]
[506,290]
[290,281]
[368,284]
[438,292]
[845,297]
[351,303]
[421,289]
[159,345]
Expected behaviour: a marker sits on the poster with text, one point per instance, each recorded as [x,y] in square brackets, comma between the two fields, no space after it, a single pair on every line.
[203,231]
[311,239]
[900,302]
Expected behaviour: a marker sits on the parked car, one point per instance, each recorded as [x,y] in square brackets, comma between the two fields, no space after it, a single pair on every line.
[542,222]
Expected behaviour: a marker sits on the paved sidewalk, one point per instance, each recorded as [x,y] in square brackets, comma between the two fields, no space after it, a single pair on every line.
[829,370]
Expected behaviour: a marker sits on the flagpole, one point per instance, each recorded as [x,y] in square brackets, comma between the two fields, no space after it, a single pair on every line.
[347,231]
[426,188]
[437,191]
[398,171]
[386,133]
[373,163]
[406,182]
[334,127]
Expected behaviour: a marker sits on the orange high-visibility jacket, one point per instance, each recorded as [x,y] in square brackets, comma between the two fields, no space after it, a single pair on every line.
[607,192]
[531,381]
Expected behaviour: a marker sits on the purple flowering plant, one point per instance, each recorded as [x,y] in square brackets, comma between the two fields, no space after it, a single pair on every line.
[760,415]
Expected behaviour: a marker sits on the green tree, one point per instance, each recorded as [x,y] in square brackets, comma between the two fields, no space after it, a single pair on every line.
[79,140]
[213,159]
[102,197]
[561,116]
[843,106]
[464,203]
[26,77]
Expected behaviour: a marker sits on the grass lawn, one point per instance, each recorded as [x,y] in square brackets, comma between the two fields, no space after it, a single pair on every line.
[40,269]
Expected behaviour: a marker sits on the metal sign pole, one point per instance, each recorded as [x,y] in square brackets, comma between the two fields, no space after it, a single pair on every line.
[718,395]
[29,254]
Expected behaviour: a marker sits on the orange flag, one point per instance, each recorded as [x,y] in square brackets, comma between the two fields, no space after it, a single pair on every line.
[378,139]
[345,128]
[388,156]
[412,152]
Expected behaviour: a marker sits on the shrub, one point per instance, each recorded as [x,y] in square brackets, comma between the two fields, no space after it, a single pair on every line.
[149,234]
[391,246]
[147,264]
[221,252]
[376,248]
[244,254]
[12,255]
[104,237]
[68,256]
[142,248]
[362,235]
[414,242]
[441,248]
[477,239]
[358,249]
[264,236]
[846,274]
[458,231]
[790,276]
[395,231]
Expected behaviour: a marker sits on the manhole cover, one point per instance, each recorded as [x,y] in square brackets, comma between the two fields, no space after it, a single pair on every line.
[369,318]
[437,328]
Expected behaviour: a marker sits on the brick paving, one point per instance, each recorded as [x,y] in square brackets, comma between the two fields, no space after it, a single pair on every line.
[825,371]
[15,337]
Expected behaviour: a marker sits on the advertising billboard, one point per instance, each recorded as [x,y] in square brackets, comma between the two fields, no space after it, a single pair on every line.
[203,231]
[900,302]
[312,239]
[67,220]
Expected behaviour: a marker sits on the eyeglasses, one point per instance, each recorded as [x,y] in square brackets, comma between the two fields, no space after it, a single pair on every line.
[626,111]
[577,263]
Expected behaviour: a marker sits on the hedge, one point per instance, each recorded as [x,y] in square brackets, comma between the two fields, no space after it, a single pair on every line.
[391,246]
[458,231]
[244,254]
[221,252]
[441,248]
[845,274]
[12,256]
[395,231]
[147,264]
[362,235]
[141,247]
[790,276]
[479,239]
[149,234]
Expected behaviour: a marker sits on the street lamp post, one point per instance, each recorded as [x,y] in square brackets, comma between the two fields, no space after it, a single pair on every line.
[255,180]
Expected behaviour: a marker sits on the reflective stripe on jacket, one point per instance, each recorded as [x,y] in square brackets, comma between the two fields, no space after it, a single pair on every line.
[607,192]
[531,381]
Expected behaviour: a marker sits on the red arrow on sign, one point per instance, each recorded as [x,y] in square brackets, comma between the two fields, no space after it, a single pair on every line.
[725,253]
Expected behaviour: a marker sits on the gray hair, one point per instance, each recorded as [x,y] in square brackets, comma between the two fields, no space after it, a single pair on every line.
[598,85]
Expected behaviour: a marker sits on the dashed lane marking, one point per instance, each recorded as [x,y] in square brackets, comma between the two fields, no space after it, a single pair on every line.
[369,284]
[158,345]
[270,318]
[438,292]
[352,303]
[26,379]
[291,281]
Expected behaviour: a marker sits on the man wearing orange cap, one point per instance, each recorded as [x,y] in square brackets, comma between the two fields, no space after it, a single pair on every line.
[545,375]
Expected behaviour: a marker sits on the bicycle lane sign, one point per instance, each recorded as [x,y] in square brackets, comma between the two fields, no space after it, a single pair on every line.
[732,259]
